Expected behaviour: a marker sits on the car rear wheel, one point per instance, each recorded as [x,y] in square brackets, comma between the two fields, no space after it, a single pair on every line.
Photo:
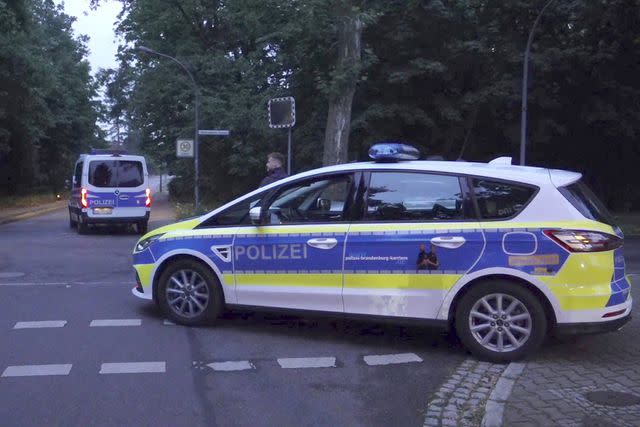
[142,226]
[72,223]
[500,321]
[83,227]
[189,293]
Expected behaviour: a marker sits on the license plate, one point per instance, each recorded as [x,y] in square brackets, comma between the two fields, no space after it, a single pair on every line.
[102,211]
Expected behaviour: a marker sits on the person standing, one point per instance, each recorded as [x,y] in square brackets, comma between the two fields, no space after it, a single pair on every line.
[275,169]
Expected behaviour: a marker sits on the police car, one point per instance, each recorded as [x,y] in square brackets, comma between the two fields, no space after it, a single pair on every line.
[502,254]
[109,187]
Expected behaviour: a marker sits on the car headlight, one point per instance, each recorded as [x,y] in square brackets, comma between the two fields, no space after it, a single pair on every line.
[145,243]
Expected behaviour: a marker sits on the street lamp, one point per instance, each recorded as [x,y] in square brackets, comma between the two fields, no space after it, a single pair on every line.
[197,101]
[525,76]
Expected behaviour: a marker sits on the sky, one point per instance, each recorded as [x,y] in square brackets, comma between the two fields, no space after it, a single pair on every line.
[99,26]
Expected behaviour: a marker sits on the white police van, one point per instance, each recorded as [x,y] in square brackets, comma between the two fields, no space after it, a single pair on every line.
[110,187]
[501,254]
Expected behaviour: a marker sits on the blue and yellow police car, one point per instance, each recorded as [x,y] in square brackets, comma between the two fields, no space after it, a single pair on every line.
[501,254]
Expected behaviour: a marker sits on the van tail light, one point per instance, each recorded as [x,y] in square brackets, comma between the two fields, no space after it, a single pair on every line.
[83,198]
[584,241]
[147,203]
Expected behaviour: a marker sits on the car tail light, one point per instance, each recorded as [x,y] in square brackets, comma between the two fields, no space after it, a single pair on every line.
[614,313]
[147,202]
[83,198]
[584,241]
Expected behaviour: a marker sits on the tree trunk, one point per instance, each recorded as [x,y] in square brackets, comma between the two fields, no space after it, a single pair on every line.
[336,137]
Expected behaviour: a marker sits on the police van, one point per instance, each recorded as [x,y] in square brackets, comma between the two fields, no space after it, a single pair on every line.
[501,254]
[110,187]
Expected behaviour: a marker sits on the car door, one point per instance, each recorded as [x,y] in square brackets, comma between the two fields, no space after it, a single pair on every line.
[416,239]
[294,259]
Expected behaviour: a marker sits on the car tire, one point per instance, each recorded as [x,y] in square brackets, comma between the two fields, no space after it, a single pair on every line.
[500,321]
[142,227]
[72,223]
[83,227]
[189,293]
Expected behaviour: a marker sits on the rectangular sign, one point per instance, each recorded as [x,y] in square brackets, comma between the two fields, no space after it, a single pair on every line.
[184,148]
[213,132]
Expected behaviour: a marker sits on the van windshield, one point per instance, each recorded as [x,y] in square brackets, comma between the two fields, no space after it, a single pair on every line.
[116,173]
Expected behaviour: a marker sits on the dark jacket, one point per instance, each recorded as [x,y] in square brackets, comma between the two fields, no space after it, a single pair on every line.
[275,175]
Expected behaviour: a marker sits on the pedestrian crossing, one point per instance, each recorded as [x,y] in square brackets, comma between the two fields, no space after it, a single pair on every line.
[161,367]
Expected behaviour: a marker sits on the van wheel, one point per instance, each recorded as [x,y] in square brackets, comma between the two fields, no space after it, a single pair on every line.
[142,226]
[72,223]
[189,293]
[500,321]
[82,226]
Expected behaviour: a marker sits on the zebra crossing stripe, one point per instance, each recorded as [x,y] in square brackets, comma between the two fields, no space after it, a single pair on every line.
[36,370]
[392,359]
[133,368]
[41,324]
[307,362]
[115,322]
[241,365]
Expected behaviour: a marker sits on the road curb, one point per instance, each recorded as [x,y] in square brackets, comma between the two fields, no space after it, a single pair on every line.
[494,409]
[30,214]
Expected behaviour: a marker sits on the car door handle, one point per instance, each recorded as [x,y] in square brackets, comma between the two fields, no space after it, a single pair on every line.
[328,243]
[449,242]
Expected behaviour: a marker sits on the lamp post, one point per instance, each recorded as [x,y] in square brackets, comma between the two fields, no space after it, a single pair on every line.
[197,101]
[525,77]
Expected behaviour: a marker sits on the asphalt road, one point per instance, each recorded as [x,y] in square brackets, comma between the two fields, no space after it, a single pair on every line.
[175,374]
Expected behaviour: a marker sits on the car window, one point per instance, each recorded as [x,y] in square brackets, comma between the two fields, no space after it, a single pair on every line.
[315,200]
[130,173]
[237,214]
[77,175]
[116,173]
[103,173]
[587,203]
[413,196]
[500,200]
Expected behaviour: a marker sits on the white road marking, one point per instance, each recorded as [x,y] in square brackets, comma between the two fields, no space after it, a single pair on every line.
[307,362]
[10,275]
[391,359]
[168,323]
[115,322]
[41,324]
[241,365]
[133,368]
[36,370]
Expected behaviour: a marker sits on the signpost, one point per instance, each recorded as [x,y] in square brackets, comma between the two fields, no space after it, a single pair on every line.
[184,148]
[282,114]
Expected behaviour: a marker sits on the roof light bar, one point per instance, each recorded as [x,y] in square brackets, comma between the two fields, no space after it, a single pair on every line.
[393,152]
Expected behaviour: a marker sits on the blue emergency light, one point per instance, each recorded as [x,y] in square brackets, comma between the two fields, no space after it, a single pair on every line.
[390,151]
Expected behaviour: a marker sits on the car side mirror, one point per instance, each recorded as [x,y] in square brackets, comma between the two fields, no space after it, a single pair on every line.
[256,215]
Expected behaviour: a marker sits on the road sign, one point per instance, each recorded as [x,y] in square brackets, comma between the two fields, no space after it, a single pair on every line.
[282,112]
[184,147]
[213,132]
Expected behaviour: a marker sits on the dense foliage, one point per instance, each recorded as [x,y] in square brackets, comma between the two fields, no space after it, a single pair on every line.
[47,112]
[444,75]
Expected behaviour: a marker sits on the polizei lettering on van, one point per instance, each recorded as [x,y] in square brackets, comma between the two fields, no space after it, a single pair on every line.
[277,251]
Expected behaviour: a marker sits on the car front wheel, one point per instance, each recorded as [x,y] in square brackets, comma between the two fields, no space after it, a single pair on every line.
[189,293]
[500,321]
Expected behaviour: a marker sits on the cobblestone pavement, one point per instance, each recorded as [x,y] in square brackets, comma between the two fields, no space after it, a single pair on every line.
[556,387]
[461,400]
